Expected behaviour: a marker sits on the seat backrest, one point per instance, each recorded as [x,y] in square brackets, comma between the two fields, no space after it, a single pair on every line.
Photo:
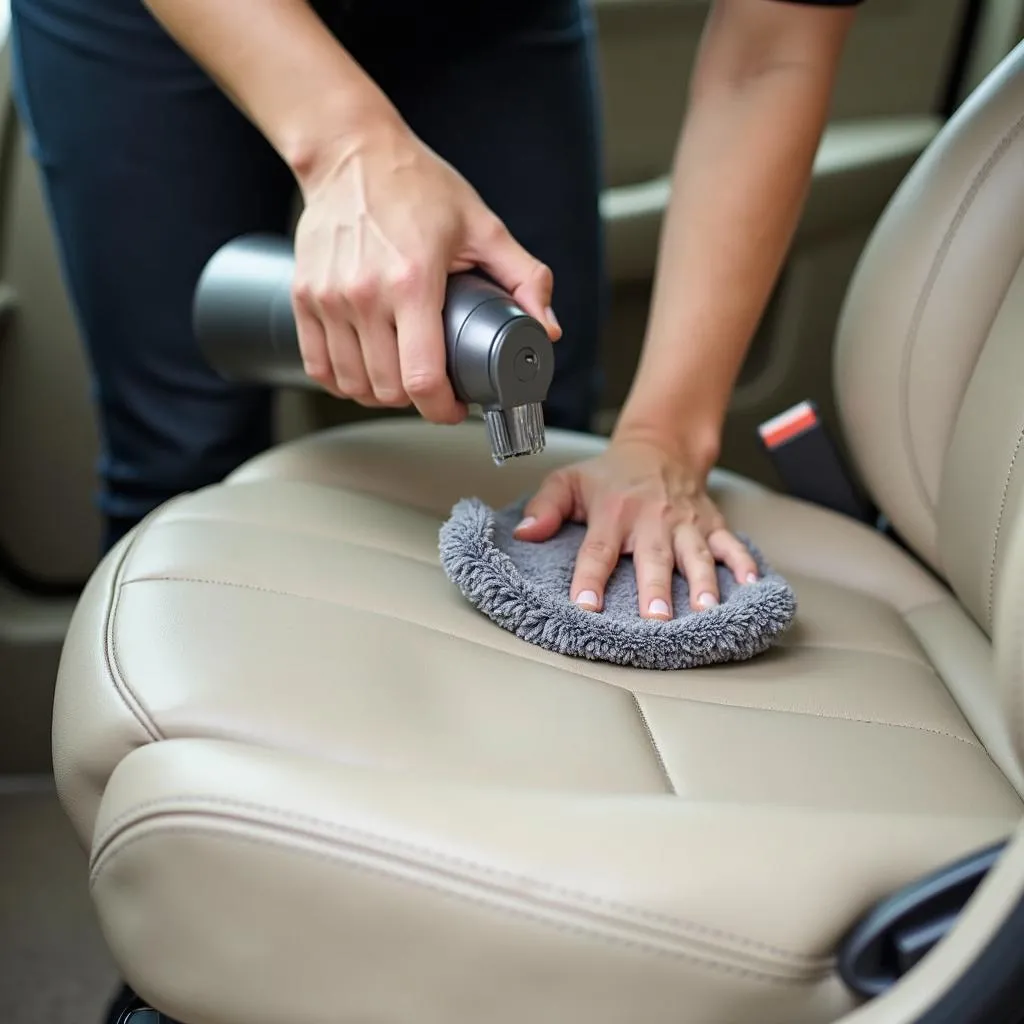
[929,361]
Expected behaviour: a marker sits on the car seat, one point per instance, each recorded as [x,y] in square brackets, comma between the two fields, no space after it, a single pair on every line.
[316,785]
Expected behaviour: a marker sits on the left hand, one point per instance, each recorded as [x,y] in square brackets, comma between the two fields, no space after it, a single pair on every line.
[637,498]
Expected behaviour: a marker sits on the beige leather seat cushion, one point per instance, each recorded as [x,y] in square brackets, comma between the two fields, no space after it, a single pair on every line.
[575,839]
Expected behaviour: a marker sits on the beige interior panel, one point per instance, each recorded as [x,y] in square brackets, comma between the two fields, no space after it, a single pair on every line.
[49,527]
[857,167]
[32,630]
[894,66]
[48,523]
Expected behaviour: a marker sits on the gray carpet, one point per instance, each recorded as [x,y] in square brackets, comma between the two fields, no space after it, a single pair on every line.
[54,968]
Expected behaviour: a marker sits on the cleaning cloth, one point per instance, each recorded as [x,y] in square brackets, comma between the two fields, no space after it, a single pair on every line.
[524,588]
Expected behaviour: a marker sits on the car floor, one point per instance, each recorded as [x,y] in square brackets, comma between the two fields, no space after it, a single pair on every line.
[54,967]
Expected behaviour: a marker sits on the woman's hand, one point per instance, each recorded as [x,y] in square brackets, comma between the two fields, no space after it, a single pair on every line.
[637,498]
[385,222]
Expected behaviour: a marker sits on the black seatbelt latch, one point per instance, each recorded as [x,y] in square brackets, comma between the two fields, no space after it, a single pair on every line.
[809,463]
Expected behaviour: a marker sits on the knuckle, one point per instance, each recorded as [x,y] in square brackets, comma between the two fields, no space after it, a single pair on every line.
[328,299]
[493,229]
[658,554]
[302,293]
[662,511]
[599,551]
[357,389]
[361,291]
[686,515]
[405,277]
[696,555]
[422,383]
[318,369]
[391,396]
[543,275]
[560,480]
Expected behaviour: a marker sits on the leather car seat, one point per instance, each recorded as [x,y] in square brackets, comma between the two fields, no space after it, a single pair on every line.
[317,786]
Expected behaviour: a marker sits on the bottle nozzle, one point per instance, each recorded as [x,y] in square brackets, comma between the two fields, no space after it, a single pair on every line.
[516,431]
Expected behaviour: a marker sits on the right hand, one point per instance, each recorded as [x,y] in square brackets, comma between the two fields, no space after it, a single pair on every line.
[386,220]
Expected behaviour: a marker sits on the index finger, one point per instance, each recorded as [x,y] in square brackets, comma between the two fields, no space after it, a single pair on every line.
[595,562]
[422,356]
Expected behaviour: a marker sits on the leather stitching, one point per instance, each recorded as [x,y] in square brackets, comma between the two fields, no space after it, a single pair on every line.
[533,915]
[124,690]
[913,329]
[968,741]
[999,526]
[646,726]
[423,857]
[1016,661]
[305,534]
[860,652]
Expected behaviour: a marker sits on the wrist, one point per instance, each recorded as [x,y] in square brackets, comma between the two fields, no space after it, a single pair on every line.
[690,441]
[321,139]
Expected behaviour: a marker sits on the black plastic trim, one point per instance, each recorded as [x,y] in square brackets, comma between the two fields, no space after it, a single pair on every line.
[958,67]
[902,929]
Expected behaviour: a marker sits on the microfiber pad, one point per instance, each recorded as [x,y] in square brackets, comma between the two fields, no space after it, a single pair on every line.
[524,588]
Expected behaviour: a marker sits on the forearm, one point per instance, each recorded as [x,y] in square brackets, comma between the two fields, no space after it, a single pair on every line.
[740,176]
[281,66]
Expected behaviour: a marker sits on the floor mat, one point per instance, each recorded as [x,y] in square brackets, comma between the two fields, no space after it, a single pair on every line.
[54,966]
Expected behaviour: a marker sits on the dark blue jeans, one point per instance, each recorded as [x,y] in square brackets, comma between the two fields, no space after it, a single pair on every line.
[147,169]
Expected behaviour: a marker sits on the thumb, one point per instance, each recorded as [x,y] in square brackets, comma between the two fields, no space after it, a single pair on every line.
[526,278]
[547,509]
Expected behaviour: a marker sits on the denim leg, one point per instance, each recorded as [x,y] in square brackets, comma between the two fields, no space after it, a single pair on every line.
[147,168]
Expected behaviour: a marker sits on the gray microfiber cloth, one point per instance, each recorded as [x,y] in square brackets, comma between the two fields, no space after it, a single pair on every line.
[524,588]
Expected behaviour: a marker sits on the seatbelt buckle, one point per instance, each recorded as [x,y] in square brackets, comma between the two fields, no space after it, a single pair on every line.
[809,464]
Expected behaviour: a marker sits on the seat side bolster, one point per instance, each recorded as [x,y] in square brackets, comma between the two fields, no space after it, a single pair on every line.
[209,855]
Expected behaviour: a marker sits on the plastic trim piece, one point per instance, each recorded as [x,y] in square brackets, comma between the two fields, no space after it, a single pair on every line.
[898,932]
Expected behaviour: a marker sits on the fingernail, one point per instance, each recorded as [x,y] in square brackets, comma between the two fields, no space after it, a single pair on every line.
[751,577]
[526,523]
[658,607]
[707,600]
[587,599]
[552,319]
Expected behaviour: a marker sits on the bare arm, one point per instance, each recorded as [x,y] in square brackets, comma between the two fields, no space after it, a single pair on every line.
[280,65]
[758,104]
[384,219]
